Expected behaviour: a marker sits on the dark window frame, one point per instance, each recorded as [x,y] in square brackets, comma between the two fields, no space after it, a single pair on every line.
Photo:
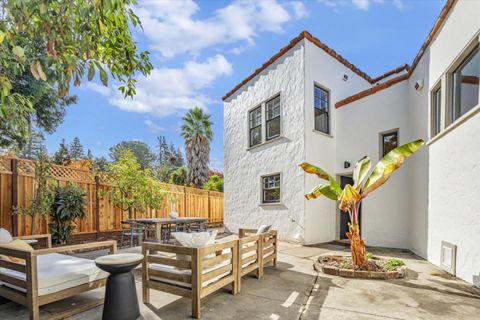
[251,129]
[321,110]
[267,120]
[436,110]
[264,188]
[382,141]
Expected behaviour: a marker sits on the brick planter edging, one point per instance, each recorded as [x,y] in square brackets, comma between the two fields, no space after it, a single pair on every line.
[362,274]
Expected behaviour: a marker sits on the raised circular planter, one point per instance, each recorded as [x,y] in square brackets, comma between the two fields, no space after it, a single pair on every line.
[400,272]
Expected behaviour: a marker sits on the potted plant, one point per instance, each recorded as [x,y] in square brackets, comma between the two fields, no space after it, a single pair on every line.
[68,205]
[350,197]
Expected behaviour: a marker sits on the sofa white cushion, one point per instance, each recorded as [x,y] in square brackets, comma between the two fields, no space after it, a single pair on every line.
[57,272]
[5,236]
[193,240]
[264,228]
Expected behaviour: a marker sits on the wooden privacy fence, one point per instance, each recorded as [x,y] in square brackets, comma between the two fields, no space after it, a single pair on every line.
[17,187]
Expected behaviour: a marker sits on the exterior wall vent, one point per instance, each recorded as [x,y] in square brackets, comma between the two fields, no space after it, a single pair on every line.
[448,257]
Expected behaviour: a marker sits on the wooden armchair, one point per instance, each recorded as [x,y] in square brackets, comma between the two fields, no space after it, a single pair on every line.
[46,237]
[265,246]
[193,273]
[22,283]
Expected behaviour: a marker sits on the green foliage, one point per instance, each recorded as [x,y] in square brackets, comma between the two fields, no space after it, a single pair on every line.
[197,132]
[69,205]
[76,149]
[162,173]
[215,183]
[369,255]
[100,164]
[34,147]
[134,188]
[178,176]
[393,263]
[142,152]
[62,155]
[169,155]
[76,37]
[41,204]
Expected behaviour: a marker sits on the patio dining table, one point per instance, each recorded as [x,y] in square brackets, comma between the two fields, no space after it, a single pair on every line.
[159,222]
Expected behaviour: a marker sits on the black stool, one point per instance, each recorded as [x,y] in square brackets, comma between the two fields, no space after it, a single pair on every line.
[121,302]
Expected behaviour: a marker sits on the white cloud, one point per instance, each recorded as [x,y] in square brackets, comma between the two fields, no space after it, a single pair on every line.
[98,88]
[153,127]
[299,9]
[361,4]
[167,91]
[172,28]
[398,4]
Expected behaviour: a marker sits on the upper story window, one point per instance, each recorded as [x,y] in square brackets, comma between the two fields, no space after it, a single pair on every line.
[271,188]
[436,111]
[322,109]
[255,126]
[389,141]
[465,86]
[273,118]
[264,122]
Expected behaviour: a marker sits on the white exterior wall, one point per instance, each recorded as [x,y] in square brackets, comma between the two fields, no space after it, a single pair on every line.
[323,70]
[243,168]
[385,211]
[454,166]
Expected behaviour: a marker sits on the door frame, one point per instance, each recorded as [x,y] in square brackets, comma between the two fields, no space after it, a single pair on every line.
[348,174]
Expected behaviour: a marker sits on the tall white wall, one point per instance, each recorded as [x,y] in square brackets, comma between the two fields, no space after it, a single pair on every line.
[244,167]
[385,212]
[454,164]
[323,70]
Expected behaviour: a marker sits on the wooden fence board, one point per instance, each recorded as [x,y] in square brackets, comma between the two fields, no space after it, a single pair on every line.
[191,202]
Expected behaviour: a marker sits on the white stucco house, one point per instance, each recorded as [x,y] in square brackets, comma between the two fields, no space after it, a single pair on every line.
[309,104]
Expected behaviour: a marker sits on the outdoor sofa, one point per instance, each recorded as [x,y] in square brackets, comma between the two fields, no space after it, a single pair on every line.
[47,275]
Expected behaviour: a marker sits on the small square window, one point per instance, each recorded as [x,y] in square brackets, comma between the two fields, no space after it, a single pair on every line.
[271,189]
[389,141]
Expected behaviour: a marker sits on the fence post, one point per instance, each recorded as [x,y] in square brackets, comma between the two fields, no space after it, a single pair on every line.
[185,202]
[14,164]
[97,206]
[209,208]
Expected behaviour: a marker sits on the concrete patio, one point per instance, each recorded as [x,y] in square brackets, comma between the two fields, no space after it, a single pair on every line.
[294,290]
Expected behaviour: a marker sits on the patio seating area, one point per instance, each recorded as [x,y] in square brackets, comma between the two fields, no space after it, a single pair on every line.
[294,290]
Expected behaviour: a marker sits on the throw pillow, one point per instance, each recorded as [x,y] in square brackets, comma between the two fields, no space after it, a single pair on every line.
[264,228]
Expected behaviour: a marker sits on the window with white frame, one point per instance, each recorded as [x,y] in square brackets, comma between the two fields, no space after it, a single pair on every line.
[322,109]
[464,86]
[389,141]
[267,115]
[255,126]
[436,111]
[271,188]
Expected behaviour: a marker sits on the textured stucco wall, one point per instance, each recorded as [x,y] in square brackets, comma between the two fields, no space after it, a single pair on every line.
[385,211]
[323,70]
[454,164]
[243,168]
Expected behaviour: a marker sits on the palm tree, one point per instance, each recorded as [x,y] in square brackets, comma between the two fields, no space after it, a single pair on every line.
[197,132]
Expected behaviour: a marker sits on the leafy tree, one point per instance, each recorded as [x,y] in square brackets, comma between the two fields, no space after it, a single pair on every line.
[62,156]
[42,201]
[169,154]
[162,150]
[134,188]
[214,183]
[178,176]
[141,150]
[89,155]
[162,173]
[34,147]
[76,37]
[76,149]
[197,132]
[68,205]
[100,164]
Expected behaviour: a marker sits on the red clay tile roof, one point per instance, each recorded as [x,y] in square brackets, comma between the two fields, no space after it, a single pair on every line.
[306,35]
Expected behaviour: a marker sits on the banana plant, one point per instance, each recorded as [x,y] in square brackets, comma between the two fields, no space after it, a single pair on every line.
[350,197]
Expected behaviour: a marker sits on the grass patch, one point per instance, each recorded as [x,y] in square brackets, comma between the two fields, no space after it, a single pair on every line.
[393,263]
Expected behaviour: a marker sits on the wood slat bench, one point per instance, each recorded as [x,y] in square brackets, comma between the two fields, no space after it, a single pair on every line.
[192,273]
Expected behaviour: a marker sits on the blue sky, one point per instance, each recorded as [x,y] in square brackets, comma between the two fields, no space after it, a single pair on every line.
[200,50]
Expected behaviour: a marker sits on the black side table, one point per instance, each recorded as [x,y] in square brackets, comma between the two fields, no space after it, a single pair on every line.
[121,302]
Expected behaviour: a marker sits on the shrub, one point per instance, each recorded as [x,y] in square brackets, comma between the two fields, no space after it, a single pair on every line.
[393,263]
[69,204]
[178,176]
[369,255]
[214,183]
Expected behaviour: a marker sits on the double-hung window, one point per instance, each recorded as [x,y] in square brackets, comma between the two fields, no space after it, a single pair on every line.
[255,124]
[264,122]
[322,109]
[271,188]
[465,86]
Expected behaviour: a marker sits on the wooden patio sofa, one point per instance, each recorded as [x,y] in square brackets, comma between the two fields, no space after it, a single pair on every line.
[189,272]
[255,251]
[22,284]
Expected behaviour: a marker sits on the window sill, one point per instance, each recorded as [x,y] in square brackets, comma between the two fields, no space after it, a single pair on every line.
[455,125]
[322,133]
[266,142]
[270,204]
